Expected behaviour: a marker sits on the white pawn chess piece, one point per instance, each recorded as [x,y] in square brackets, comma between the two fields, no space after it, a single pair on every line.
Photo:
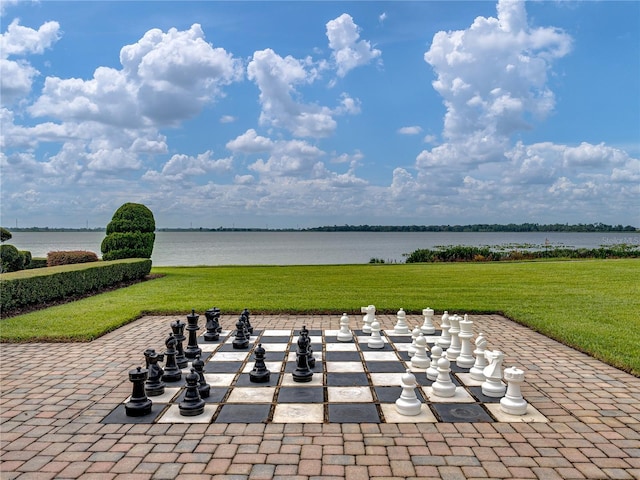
[513,403]
[408,403]
[428,328]
[420,359]
[465,359]
[412,347]
[477,371]
[401,324]
[375,341]
[432,371]
[443,386]
[493,385]
[369,317]
[454,349]
[344,334]
[445,339]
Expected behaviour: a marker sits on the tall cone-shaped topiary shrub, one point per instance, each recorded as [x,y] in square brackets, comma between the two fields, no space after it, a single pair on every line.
[130,234]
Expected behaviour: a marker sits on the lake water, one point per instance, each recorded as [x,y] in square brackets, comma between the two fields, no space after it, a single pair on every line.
[304,248]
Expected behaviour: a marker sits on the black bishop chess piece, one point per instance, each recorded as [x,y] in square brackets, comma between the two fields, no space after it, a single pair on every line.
[203,386]
[178,332]
[192,350]
[246,314]
[241,341]
[138,405]
[154,385]
[172,372]
[302,373]
[192,404]
[311,360]
[260,372]
[213,325]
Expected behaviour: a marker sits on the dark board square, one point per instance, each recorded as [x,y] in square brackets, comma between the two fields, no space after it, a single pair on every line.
[244,413]
[291,366]
[356,379]
[119,415]
[385,367]
[275,339]
[221,339]
[180,383]
[365,348]
[400,338]
[216,394]
[244,380]
[342,356]
[228,347]
[222,367]
[391,394]
[477,393]
[353,413]
[301,395]
[456,369]
[461,412]
[312,333]
[405,356]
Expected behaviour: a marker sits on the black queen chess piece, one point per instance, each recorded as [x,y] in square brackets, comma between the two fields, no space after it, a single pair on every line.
[192,404]
[178,332]
[260,372]
[192,350]
[302,373]
[139,404]
[172,372]
[154,385]
[213,325]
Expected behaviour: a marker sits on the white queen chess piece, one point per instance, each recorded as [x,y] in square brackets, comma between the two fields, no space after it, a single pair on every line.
[408,403]
[513,403]
[428,328]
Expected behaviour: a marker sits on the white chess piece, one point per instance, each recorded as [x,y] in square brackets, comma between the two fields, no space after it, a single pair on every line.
[420,359]
[375,341]
[445,339]
[454,349]
[432,371]
[493,385]
[465,359]
[481,361]
[412,347]
[443,386]
[369,317]
[427,327]
[401,324]
[513,403]
[344,335]
[408,403]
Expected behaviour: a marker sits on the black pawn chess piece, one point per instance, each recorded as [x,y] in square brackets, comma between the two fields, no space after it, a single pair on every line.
[246,314]
[178,332]
[260,373]
[192,404]
[192,350]
[213,325]
[138,405]
[241,341]
[302,373]
[311,360]
[154,385]
[203,386]
[172,372]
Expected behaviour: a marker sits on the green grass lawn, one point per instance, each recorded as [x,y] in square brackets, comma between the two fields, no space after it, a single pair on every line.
[591,305]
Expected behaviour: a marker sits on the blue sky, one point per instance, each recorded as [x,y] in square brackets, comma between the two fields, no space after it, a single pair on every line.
[300,114]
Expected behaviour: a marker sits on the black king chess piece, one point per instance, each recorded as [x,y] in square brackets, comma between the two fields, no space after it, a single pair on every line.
[192,404]
[203,386]
[154,385]
[172,372]
[178,332]
[241,341]
[302,373]
[246,314]
[311,360]
[192,350]
[213,325]
[138,405]
[260,373]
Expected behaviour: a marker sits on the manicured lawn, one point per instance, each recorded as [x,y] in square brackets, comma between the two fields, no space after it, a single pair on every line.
[591,305]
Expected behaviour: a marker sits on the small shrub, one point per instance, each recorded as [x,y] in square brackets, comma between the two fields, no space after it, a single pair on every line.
[36,262]
[70,257]
[4,234]
[130,234]
[10,259]
[26,256]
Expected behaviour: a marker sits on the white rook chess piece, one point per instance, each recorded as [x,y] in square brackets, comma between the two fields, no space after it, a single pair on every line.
[443,386]
[420,359]
[369,317]
[344,335]
[477,371]
[513,403]
[493,385]
[375,341]
[427,327]
[408,403]
[445,339]
[401,324]
[412,347]
[454,349]
[465,359]
[432,371]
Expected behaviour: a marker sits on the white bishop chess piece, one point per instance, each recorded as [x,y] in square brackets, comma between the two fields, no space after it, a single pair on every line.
[408,403]
[513,403]
[344,335]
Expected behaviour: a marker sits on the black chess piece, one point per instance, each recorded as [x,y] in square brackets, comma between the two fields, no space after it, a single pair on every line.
[172,372]
[260,373]
[213,325]
[178,332]
[203,386]
[192,404]
[192,350]
[246,314]
[241,341]
[138,405]
[311,360]
[154,385]
[302,373]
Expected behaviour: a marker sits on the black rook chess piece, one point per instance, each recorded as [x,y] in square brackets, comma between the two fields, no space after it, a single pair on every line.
[154,385]
[192,404]
[260,373]
[138,405]
[172,372]
[178,332]
[302,373]
[213,325]
[203,386]
[241,341]
[192,350]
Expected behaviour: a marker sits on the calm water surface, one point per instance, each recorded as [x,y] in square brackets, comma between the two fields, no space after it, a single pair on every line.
[304,248]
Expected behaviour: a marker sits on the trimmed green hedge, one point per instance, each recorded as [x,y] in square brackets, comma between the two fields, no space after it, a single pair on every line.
[30,287]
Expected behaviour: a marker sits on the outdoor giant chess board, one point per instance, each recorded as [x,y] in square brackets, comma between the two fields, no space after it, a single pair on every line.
[351,383]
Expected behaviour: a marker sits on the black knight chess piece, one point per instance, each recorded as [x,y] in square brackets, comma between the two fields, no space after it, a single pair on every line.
[203,386]
[213,325]
[192,350]
[260,373]
[192,404]
[302,373]
[246,314]
[172,372]
[241,341]
[178,332]
[154,385]
[138,405]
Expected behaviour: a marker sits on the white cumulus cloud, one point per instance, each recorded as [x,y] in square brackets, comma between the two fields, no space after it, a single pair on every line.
[349,51]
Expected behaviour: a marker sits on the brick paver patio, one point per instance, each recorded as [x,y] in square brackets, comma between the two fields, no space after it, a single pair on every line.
[54,396]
